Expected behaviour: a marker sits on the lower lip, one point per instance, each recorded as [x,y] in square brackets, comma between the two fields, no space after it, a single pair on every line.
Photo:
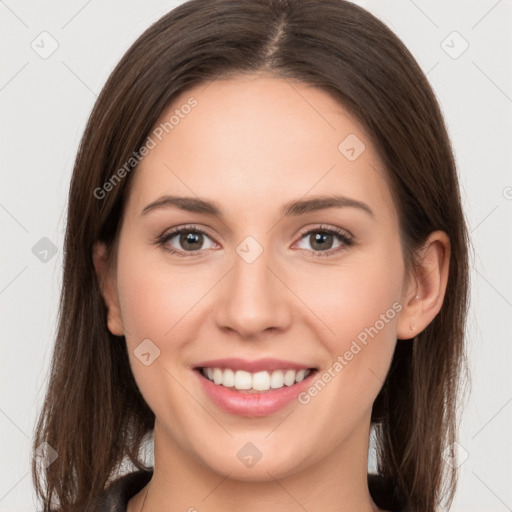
[252,404]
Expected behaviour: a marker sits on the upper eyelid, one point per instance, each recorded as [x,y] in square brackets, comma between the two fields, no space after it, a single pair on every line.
[324,227]
[191,228]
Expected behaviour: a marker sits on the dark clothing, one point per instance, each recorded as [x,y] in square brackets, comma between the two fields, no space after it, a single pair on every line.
[116,497]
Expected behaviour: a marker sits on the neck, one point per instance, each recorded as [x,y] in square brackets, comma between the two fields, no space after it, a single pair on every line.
[181,482]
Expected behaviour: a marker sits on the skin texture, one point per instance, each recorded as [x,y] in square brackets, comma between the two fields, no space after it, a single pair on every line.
[251,145]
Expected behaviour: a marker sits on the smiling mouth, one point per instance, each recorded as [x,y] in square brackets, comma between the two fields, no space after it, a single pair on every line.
[254,382]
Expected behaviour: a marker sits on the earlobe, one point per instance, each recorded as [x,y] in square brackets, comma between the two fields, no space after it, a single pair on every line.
[108,289]
[424,296]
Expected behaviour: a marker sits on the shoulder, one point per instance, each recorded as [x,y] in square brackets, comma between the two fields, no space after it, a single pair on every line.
[116,496]
[385,494]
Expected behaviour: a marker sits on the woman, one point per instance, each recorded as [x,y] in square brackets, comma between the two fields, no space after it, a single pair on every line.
[265,261]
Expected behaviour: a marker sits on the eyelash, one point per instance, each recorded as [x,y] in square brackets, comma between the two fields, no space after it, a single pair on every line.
[346,240]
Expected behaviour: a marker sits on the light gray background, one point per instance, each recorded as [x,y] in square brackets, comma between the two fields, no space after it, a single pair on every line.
[44,107]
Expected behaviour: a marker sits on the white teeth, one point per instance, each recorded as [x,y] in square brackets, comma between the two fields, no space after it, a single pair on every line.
[277,379]
[228,378]
[261,381]
[258,381]
[242,380]
[301,374]
[289,377]
[217,375]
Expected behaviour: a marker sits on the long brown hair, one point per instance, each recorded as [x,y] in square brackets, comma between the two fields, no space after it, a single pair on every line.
[94,416]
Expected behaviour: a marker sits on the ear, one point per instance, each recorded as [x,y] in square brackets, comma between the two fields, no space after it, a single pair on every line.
[108,288]
[425,290]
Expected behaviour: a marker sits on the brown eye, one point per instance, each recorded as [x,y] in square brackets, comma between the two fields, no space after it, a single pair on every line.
[191,241]
[321,241]
[326,241]
[185,240]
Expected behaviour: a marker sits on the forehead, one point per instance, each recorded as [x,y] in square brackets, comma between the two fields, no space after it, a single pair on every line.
[258,140]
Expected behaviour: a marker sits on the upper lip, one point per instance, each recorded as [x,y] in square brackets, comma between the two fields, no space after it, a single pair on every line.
[257,365]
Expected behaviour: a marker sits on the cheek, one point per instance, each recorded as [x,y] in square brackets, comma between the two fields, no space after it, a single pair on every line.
[361,307]
[146,302]
[354,295]
[154,299]
[358,305]
[156,305]
[164,305]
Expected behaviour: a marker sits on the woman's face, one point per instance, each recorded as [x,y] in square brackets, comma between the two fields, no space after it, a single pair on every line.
[271,285]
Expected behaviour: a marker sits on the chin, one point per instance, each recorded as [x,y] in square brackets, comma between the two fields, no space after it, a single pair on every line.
[267,468]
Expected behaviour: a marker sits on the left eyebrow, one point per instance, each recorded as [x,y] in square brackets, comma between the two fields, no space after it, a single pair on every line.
[292,208]
[318,203]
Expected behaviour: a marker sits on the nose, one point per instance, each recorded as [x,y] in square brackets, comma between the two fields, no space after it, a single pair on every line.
[254,298]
